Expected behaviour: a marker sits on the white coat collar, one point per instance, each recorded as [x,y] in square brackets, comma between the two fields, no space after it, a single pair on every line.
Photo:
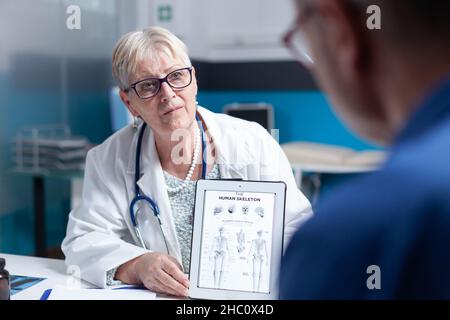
[232,152]
[230,155]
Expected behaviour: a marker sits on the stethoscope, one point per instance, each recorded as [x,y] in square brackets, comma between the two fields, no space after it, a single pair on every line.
[141,197]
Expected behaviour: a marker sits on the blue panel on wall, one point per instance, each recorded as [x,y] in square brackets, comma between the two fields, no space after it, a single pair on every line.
[299,115]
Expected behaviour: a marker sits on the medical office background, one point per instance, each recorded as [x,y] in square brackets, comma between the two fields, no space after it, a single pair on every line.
[51,75]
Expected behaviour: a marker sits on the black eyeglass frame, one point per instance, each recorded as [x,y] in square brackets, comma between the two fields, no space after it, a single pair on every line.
[161,81]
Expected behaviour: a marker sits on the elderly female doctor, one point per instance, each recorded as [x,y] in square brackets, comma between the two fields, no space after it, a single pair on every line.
[138,175]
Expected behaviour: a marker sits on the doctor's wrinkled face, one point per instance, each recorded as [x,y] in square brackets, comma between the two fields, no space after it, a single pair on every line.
[170,108]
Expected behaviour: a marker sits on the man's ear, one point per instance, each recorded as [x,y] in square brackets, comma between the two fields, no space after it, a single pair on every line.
[343,27]
[126,101]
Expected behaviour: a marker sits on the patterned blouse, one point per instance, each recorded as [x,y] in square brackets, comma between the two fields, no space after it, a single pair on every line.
[182,204]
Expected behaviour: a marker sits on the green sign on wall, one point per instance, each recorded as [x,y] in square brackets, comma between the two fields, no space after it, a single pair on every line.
[165,13]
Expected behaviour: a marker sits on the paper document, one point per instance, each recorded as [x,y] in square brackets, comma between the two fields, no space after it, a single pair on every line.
[19,283]
[122,293]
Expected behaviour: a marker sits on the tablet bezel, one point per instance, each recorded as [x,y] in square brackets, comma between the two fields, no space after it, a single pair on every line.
[279,189]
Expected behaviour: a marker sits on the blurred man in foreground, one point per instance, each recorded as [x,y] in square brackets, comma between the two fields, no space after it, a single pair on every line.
[385,235]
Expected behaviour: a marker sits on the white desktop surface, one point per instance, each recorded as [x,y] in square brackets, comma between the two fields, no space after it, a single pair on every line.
[52,269]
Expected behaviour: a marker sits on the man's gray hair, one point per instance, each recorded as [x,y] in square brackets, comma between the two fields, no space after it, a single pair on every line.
[137,46]
[405,21]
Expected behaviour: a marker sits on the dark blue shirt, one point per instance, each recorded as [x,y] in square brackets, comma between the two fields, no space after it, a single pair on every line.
[397,219]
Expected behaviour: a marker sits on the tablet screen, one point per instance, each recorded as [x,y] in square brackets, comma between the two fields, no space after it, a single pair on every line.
[236,242]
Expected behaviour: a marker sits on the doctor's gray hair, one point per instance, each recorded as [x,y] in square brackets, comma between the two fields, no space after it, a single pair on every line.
[137,46]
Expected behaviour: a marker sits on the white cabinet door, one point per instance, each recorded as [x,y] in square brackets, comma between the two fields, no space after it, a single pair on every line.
[248,23]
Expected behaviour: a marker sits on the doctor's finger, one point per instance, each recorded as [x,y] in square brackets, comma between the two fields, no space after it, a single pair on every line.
[169,290]
[156,286]
[173,284]
[172,269]
[153,284]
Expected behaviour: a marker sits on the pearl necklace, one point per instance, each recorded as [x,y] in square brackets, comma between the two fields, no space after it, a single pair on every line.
[194,162]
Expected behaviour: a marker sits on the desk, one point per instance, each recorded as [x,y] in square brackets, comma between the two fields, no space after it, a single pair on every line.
[318,159]
[39,201]
[52,269]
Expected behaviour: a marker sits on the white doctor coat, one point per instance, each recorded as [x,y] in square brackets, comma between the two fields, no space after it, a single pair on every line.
[100,235]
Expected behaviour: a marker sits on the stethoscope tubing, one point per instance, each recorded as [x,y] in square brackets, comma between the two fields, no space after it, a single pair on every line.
[140,197]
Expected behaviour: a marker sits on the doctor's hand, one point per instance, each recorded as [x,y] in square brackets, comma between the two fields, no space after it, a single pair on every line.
[158,272]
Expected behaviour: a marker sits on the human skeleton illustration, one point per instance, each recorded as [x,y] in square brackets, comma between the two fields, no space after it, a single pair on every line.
[241,241]
[258,254]
[217,210]
[259,211]
[219,250]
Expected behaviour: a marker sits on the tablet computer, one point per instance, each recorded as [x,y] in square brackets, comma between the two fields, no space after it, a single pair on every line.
[237,240]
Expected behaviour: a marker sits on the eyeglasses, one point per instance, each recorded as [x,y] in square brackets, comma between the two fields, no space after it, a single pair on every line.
[149,87]
[296,41]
